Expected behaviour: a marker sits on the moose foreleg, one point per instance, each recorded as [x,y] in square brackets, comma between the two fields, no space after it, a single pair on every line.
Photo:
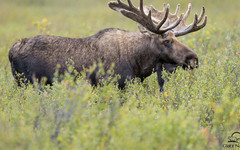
[159,69]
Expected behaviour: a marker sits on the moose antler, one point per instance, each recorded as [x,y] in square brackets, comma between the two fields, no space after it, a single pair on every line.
[182,28]
[140,16]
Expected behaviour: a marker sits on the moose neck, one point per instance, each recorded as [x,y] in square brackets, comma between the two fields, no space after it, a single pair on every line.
[140,53]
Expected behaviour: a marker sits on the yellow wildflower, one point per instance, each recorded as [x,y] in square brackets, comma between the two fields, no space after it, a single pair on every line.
[107,97]
[164,108]
[44,20]
[165,93]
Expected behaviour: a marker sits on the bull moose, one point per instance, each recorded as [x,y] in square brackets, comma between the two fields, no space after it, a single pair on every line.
[134,53]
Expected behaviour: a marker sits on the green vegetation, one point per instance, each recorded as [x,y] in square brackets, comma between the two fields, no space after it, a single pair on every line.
[198,110]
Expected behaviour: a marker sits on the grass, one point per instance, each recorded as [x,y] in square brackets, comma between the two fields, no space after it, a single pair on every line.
[198,110]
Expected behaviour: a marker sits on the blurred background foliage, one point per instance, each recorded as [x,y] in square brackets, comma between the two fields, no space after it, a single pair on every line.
[92,15]
[198,110]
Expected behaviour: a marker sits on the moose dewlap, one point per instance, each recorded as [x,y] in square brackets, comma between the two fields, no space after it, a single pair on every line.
[134,53]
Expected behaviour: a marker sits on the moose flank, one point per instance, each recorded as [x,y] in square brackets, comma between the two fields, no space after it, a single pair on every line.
[134,53]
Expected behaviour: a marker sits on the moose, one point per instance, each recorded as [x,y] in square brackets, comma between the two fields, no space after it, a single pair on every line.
[136,54]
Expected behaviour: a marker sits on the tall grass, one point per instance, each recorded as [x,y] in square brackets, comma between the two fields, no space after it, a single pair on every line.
[199,109]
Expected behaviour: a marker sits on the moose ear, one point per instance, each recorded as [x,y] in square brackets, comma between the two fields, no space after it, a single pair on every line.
[143,30]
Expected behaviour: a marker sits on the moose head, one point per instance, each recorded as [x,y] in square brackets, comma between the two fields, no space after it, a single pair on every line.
[162,28]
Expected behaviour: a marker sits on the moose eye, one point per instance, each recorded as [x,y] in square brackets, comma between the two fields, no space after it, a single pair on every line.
[167,43]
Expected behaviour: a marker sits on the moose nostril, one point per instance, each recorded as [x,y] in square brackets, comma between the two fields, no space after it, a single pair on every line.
[192,62]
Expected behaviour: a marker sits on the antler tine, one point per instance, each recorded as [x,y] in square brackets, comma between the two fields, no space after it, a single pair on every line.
[187,12]
[177,9]
[150,16]
[164,19]
[202,14]
[130,3]
[120,2]
[203,24]
[141,7]
[195,20]
[164,5]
